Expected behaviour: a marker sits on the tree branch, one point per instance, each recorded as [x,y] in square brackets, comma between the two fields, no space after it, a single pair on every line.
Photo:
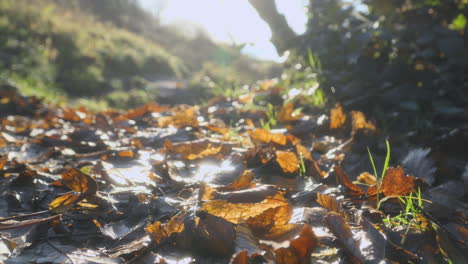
[283,37]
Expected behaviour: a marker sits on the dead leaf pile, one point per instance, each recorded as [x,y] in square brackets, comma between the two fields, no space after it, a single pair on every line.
[162,184]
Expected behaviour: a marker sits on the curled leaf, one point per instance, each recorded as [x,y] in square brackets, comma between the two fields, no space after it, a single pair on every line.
[343,178]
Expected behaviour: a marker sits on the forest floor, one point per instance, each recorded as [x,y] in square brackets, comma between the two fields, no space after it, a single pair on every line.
[260,178]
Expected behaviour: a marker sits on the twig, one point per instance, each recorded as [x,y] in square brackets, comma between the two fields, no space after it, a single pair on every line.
[23,215]
[30,222]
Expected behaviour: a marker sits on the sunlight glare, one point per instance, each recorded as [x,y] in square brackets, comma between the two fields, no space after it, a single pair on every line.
[234,22]
[208,171]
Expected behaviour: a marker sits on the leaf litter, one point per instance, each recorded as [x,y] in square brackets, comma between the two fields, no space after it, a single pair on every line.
[163,184]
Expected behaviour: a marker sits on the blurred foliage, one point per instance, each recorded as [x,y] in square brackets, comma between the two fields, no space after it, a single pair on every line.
[404,62]
[74,53]
[107,51]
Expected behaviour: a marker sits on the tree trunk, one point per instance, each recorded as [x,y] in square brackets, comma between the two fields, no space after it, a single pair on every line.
[283,37]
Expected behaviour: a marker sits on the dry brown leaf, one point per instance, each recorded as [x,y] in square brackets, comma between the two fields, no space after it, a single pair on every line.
[330,203]
[69,114]
[182,118]
[300,249]
[343,178]
[244,181]
[142,110]
[219,130]
[3,161]
[286,113]
[159,231]
[264,136]
[304,152]
[253,195]
[65,202]
[395,183]
[198,149]
[268,218]
[288,161]
[367,178]
[360,122]
[337,117]
[79,181]
[83,186]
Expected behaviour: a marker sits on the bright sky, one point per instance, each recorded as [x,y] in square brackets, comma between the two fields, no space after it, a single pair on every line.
[236,19]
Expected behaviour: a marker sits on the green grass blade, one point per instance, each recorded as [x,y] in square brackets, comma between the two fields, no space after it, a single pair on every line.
[372,162]
[387,160]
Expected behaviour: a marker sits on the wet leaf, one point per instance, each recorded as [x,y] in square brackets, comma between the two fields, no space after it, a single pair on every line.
[338,226]
[244,181]
[455,250]
[247,245]
[288,161]
[212,235]
[300,248]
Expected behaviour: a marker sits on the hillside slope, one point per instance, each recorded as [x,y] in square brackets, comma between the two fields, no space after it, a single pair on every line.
[75,49]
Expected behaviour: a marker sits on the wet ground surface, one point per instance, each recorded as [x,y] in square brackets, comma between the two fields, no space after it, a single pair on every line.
[219,183]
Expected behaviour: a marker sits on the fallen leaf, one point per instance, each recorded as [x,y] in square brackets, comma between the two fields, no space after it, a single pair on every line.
[367,178]
[219,130]
[82,186]
[288,161]
[3,161]
[286,114]
[211,235]
[79,181]
[395,183]
[300,249]
[198,149]
[338,226]
[181,118]
[343,178]
[360,123]
[337,117]
[330,203]
[242,182]
[265,136]
[159,231]
[304,152]
[65,202]
[268,218]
